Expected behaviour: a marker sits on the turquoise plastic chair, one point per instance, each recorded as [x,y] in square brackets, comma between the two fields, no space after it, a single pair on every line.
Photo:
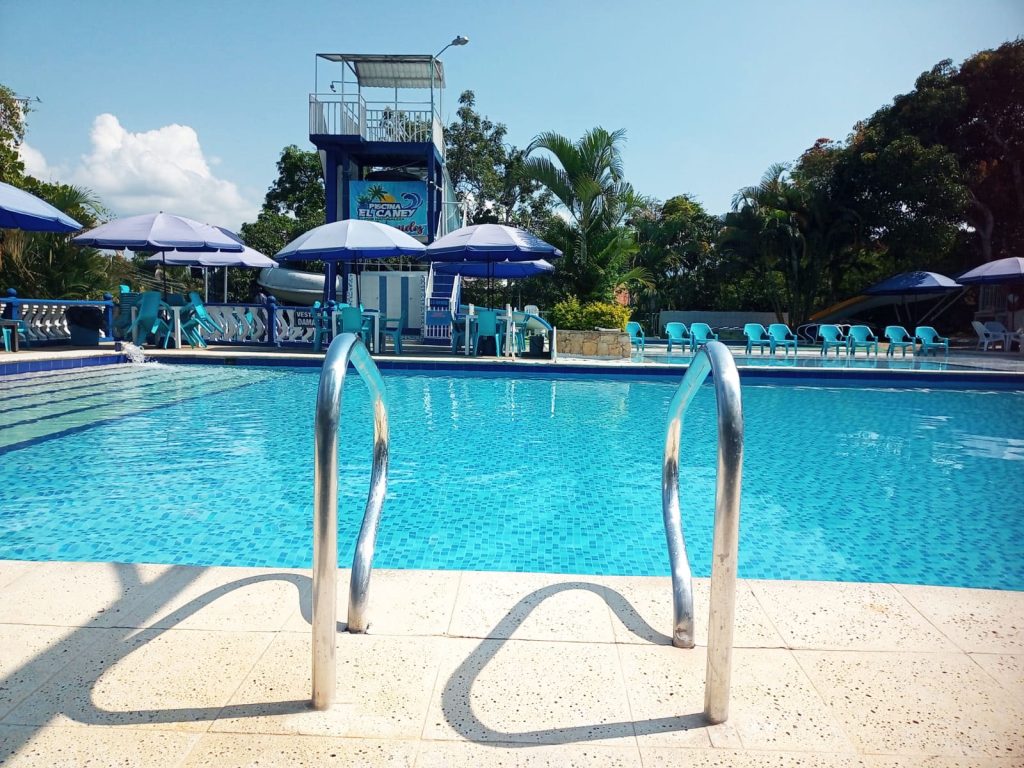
[201,315]
[898,337]
[930,340]
[458,333]
[701,334]
[148,321]
[677,333]
[831,336]
[7,338]
[861,336]
[636,335]
[486,326]
[321,324]
[352,322]
[123,321]
[781,336]
[756,334]
[396,332]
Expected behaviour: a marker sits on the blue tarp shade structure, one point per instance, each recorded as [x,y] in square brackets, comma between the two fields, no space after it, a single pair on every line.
[159,232]
[490,242]
[913,282]
[349,241]
[1009,270]
[504,270]
[22,210]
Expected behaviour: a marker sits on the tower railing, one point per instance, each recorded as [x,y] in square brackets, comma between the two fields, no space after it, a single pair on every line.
[346,348]
[716,359]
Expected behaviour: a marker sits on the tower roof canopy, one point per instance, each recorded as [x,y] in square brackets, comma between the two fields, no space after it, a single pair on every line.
[391,71]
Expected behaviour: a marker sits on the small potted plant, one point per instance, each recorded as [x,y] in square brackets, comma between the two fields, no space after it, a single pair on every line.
[85,324]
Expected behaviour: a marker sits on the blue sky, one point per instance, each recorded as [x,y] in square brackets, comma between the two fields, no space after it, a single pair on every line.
[186,106]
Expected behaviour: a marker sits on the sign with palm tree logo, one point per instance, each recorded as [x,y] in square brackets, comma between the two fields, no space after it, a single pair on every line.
[400,204]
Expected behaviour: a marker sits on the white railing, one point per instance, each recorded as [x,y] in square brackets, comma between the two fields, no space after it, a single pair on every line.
[350,115]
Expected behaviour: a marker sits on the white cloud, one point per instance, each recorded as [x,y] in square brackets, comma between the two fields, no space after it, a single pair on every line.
[159,170]
[35,163]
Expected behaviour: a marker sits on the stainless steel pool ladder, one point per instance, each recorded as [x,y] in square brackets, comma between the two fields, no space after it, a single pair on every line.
[346,348]
[714,358]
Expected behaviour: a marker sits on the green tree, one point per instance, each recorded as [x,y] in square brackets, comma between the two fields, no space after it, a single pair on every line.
[48,265]
[295,203]
[586,177]
[12,133]
[490,176]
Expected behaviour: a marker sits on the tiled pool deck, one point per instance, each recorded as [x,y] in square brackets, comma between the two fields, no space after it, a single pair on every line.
[151,665]
[106,664]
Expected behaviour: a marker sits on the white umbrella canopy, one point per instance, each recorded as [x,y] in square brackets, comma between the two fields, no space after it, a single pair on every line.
[22,210]
[349,241]
[1010,270]
[159,232]
[248,257]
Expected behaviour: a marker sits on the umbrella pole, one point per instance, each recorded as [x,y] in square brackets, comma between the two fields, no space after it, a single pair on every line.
[206,285]
[225,285]
[163,257]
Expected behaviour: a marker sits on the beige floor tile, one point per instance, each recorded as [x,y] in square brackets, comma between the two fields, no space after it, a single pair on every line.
[88,594]
[174,679]
[528,691]
[917,703]
[660,757]
[450,754]
[837,616]
[977,620]
[383,689]
[531,606]
[1007,668]
[644,613]
[233,599]
[12,569]
[889,761]
[772,704]
[31,655]
[26,747]
[401,603]
[222,750]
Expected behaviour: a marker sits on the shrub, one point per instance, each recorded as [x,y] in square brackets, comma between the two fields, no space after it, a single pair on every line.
[573,316]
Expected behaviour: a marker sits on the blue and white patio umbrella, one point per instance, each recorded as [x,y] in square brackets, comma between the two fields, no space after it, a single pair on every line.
[1010,270]
[503,270]
[22,210]
[349,241]
[913,282]
[490,245]
[248,258]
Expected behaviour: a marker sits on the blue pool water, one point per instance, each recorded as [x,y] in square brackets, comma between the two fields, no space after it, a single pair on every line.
[213,466]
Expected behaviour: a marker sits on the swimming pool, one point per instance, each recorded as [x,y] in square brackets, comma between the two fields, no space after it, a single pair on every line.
[213,466]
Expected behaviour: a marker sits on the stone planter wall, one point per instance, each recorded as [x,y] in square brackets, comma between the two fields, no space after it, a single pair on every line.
[610,344]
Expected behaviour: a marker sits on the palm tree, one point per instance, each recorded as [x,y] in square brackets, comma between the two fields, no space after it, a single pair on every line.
[586,176]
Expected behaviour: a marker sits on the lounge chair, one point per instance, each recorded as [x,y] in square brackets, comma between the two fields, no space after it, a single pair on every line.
[781,336]
[148,321]
[898,337]
[677,333]
[756,334]
[701,334]
[832,336]
[395,333]
[930,340]
[636,335]
[994,326]
[486,326]
[987,336]
[861,336]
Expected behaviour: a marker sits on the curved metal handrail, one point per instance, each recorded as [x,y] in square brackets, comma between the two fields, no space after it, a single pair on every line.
[348,347]
[713,358]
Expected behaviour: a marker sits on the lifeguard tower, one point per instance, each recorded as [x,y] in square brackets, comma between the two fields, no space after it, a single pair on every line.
[376,121]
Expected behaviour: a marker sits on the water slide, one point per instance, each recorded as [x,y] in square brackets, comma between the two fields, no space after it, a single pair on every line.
[293,286]
[850,308]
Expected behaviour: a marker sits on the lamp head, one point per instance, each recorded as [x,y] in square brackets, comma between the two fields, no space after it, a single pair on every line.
[460,40]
